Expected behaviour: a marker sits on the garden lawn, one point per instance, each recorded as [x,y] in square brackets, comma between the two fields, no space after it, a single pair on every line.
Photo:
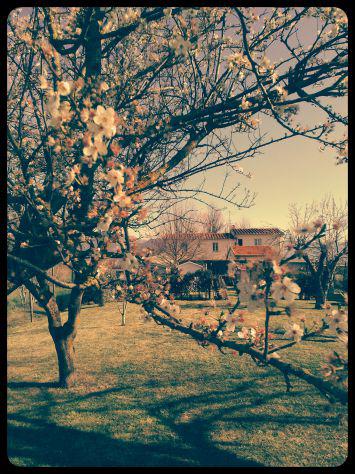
[147,396]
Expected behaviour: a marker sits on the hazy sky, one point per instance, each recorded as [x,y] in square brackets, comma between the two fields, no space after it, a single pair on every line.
[290,171]
[294,170]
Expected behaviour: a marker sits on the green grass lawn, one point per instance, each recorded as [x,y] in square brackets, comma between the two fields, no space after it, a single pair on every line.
[150,397]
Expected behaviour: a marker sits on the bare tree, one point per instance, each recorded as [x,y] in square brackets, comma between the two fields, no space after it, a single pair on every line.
[326,254]
[212,220]
[177,240]
[243,223]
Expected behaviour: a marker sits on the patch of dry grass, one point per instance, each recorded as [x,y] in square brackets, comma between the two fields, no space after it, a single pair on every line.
[151,397]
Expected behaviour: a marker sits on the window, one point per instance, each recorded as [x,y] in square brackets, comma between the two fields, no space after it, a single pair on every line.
[240,241]
[215,246]
[184,247]
[257,241]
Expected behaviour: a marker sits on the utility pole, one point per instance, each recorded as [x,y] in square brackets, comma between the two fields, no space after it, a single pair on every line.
[53,285]
[31,305]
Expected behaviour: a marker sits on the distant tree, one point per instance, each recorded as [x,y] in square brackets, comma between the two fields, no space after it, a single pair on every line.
[341,279]
[243,223]
[212,220]
[178,239]
[324,255]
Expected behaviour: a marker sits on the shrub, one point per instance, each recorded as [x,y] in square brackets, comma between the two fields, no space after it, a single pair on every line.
[63,301]
[198,282]
[93,295]
[306,283]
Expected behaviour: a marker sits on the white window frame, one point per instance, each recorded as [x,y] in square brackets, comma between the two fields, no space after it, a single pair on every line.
[214,246]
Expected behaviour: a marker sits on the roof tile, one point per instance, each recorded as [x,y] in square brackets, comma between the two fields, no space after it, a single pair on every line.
[257,230]
[225,235]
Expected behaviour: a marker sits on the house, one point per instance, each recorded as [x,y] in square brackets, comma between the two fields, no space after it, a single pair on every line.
[214,251]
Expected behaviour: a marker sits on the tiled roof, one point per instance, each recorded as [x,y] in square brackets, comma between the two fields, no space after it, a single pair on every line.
[199,236]
[257,231]
[224,235]
[251,250]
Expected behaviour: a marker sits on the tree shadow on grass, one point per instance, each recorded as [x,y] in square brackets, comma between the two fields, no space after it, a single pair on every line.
[39,442]
[196,431]
[25,384]
[47,444]
[36,441]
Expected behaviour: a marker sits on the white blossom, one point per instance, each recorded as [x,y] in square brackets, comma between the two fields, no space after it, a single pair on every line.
[247,333]
[338,319]
[231,323]
[105,119]
[180,46]
[64,88]
[105,223]
[114,177]
[94,149]
[286,289]
[295,332]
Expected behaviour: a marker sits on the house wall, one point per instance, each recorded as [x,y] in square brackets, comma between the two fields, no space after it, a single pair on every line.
[205,249]
[272,240]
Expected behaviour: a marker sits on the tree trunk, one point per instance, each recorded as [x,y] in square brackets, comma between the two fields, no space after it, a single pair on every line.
[320,296]
[322,287]
[63,335]
[101,298]
[63,338]
[123,314]
[320,300]
[64,346]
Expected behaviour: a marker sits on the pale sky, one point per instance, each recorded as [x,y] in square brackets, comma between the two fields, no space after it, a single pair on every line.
[294,170]
[290,171]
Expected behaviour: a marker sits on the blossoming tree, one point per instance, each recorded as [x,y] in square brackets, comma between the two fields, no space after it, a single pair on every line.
[111,108]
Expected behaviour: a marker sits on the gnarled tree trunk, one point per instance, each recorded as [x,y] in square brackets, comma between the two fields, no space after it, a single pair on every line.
[64,346]
[63,335]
